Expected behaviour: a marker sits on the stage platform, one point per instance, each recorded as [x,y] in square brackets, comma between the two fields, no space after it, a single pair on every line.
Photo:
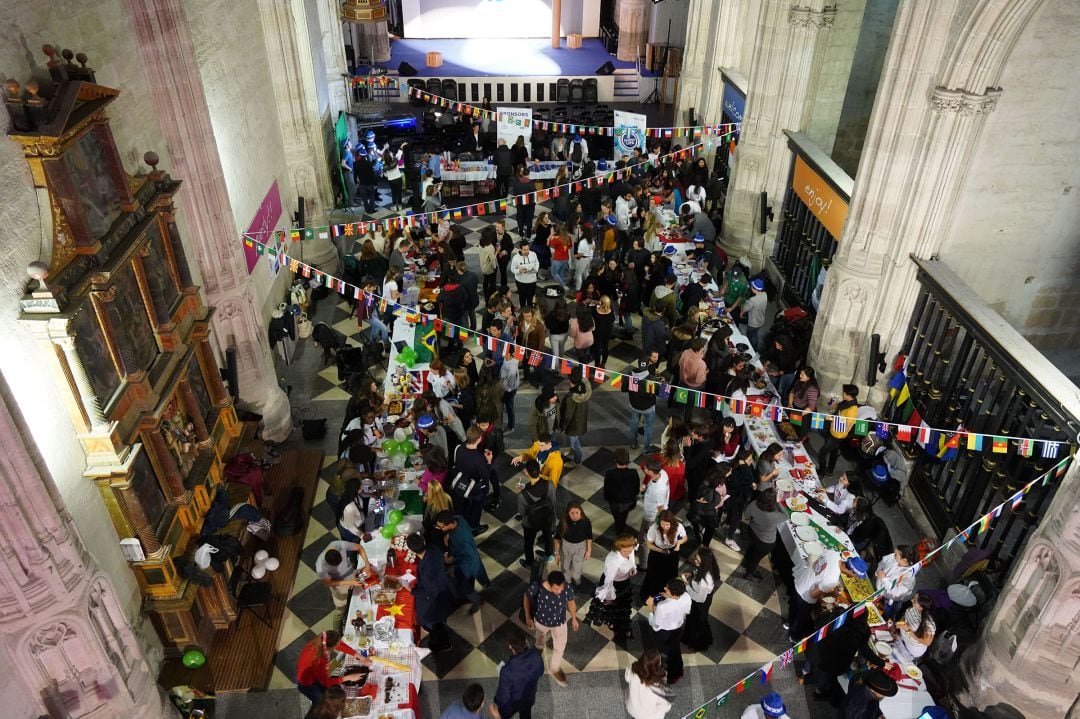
[532,57]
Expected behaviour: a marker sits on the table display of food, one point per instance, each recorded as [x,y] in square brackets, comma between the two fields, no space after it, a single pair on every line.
[379,624]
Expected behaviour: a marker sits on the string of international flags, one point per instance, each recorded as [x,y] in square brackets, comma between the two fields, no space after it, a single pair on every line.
[787,657]
[763,407]
[692,131]
[479,209]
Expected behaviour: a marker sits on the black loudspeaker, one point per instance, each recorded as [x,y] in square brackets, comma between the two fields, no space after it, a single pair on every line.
[606,69]
[877,360]
[406,70]
[765,213]
[298,216]
[230,374]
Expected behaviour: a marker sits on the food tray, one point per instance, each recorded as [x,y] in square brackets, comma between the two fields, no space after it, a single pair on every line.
[384,597]
[357,707]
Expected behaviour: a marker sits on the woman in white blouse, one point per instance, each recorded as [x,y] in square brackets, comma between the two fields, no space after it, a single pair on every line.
[646,691]
[441,380]
[915,632]
[664,539]
[897,566]
[611,605]
[700,585]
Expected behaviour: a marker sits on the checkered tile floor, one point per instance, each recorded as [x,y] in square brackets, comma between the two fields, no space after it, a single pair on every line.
[745,617]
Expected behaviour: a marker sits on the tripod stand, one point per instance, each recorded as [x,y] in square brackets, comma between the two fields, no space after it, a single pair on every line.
[654,96]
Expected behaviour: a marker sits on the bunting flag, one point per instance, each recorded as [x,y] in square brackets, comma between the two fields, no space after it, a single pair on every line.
[817,421]
[839,621]
[1024,447]
[901,397]
[599,375]
[616,381]
[682,395]
[839,424]
[862,427]
[822,632]
[721,700]
[766,673]
[1017,500]
[741,686]
[1000,445]
[534,358]
[903,432]
[737,406]
[796,418]
[1050,449]
[924,434]
[789,656]
[975,442]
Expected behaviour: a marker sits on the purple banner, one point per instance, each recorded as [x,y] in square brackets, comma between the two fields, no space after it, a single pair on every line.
[263,224]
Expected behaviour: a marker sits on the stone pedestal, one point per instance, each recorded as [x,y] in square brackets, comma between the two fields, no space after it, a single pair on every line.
[167,52]
[633,20]
[781,86]
[373,40]
[1030,646]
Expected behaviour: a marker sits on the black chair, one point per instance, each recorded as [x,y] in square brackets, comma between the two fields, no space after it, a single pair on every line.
[592,91]
[542,113]
[449,89]
[434,86]
[419,85]
[577,91]
[250,594]
[559,114]
[562,91]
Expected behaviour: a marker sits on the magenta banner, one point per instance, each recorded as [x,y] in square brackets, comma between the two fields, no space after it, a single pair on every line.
[263,224]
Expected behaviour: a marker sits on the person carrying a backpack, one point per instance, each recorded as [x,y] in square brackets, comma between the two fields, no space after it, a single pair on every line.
[472,479]
[538,513]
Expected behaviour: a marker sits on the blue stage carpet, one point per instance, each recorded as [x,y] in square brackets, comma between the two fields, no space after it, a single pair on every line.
[503,58]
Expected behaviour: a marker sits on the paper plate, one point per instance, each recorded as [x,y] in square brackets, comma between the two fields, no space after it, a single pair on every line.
[797,503]
[814,548]
[914,672]
[799,519]
[883,649]
[806,533]
[784,485]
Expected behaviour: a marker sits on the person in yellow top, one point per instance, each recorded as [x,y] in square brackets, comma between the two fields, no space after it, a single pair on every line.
[546,453]
[839,431]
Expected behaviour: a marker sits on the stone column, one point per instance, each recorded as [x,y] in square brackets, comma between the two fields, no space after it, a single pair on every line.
[556,23]
[87,397]
[788,51]
[136,517]
[1030,646]
[166,464]
[332,31]
[284,26]
[922,136]
[633,21]
[696,60]
[166,49]
[60,645]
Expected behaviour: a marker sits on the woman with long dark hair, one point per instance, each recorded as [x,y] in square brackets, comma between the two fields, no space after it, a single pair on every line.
[646,691]
[701,584]
[573,542]
[915,632]
[664,539]
[351,511]
[331,706]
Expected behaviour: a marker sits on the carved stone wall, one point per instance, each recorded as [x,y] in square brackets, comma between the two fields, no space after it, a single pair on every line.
[632,17]
[70,647]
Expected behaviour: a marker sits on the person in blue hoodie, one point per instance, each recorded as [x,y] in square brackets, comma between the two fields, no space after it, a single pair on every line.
[518,678]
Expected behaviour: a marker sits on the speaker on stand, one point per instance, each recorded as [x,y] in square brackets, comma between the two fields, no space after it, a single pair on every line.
[406,70]
[606,69]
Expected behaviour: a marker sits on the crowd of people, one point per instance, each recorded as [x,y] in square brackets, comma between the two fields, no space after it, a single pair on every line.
[587,272]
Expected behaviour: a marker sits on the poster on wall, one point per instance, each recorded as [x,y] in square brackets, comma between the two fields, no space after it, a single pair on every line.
[262,227]
[629,133]
[514,121]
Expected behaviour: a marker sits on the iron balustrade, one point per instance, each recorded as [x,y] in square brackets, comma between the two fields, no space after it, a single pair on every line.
[967,367]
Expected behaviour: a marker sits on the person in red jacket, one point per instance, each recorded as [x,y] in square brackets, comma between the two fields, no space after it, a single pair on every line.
[313,666]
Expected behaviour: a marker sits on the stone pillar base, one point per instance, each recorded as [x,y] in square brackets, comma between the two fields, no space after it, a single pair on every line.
[374,41]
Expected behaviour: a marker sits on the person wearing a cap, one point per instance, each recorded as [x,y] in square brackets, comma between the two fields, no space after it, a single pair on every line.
[431,432]
[642,402]
[663,300]
[815,577]
[753,311]
[832,656]
[366,179]
[863,700]
[771,706]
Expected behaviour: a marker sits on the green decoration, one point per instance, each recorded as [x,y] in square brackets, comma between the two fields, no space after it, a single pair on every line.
[394,516]
[388,531]
[406,447]
[194,658]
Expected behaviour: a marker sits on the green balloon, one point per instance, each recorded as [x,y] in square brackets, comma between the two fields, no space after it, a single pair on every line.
[390,446]
[194,658]
[388,531]
[407,360]
[394,516]
[406,446]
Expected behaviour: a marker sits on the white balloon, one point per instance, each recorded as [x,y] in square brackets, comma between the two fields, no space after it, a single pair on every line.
[271,564]
[405,528]
[258,571]
[261,555]
[400,434]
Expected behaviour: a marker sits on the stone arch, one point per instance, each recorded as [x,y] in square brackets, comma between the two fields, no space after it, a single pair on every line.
[986,43]
[110,626]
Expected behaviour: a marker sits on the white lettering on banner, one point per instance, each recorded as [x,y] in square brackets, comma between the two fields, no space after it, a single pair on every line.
[817,205]
[732,110]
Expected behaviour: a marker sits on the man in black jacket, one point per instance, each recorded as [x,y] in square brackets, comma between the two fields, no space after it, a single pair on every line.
[472,463]
[504,169]
[622,484]
[453,304]
[642,402]
[518,678]
[522,185]
[469,280]
[366,179]
[432,592]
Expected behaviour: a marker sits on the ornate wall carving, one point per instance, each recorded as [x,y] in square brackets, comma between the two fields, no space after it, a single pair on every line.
[805,17]
[963,102]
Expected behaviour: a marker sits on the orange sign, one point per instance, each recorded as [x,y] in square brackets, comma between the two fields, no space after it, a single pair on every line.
[827,205]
